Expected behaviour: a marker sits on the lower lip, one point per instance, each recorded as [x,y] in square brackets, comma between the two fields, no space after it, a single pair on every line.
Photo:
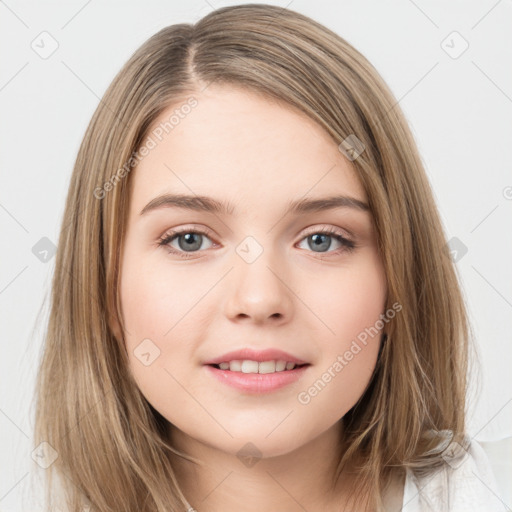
[258,382]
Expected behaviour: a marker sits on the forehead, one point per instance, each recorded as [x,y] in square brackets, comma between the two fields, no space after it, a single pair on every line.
[242,147]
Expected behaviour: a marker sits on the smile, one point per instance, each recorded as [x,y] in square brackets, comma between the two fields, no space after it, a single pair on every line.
[248,376]
[248,366]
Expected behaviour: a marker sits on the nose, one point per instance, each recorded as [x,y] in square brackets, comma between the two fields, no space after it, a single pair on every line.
[260,292]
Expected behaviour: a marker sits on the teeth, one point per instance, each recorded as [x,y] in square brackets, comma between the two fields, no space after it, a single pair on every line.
[250,367]
[235,366]
[280,366]
[247,366]
[266,367]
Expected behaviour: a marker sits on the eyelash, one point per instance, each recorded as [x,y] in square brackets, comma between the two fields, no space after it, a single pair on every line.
[167,238]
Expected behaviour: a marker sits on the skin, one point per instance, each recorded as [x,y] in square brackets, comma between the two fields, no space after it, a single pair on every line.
[240,147]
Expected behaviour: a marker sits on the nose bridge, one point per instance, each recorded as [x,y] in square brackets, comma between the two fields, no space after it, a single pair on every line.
[258,284]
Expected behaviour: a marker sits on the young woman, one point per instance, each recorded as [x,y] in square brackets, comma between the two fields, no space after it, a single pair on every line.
[253,307]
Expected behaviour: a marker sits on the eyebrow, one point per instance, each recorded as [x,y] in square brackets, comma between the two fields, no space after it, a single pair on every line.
[211,205]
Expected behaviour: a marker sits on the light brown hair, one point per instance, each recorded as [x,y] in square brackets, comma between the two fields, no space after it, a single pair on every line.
[111,444]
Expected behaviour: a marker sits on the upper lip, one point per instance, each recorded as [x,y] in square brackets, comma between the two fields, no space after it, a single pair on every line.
[270,354]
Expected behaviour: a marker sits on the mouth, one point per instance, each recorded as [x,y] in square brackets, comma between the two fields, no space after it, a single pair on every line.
[254,377]
[264,367]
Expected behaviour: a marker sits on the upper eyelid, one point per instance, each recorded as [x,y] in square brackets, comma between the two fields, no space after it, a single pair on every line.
[316,228]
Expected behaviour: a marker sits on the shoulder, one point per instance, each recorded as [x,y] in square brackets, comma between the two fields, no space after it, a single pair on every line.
[465,483]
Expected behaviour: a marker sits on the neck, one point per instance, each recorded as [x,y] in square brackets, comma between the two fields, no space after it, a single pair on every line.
[299,480]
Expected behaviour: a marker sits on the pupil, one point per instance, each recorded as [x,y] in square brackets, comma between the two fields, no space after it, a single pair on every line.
[320,243]
[190,243]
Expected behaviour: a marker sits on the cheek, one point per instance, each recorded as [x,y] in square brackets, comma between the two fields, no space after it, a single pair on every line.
[356,299]
[163,308]
[156,302]
[351,339]
[155,318]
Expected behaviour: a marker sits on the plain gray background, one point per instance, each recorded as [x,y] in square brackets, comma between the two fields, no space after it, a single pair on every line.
[58,59]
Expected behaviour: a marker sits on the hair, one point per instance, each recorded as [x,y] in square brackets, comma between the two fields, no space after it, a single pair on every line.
[112,446]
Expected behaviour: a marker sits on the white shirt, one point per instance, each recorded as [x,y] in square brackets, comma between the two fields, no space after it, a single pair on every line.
[465,483]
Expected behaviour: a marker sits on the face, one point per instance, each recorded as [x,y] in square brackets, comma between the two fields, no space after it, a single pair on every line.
[306,282]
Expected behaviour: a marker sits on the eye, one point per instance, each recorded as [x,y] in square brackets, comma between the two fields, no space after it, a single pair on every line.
[190,241]
[319,240]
